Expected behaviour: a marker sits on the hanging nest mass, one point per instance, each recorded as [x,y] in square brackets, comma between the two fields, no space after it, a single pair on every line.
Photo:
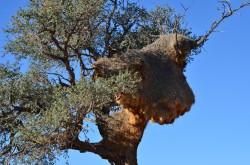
[163,93]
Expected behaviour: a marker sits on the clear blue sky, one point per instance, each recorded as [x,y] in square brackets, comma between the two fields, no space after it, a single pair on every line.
[217,129]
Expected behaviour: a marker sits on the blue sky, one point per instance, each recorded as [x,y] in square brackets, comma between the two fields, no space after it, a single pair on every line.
[217,129]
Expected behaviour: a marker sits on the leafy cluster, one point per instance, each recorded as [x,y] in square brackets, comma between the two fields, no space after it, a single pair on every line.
[75,33]
[37,117]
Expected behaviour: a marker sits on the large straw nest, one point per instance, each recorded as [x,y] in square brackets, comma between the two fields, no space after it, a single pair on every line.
[163,94]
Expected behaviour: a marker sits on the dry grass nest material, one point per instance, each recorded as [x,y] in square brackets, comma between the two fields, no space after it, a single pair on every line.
[163,94]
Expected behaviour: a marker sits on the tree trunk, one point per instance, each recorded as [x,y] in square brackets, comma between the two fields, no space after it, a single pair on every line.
[122,133]
[130,158]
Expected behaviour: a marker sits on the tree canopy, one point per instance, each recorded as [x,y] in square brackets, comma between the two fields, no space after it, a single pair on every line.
[46,108]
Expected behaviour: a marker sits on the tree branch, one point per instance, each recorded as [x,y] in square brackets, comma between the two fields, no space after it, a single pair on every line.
[177,22]
[225,14]
[51,55]
[19,110]
[71,72]
[56,42]
[59,75]
[82,65]
[108,24]
[83,147]
[96,55]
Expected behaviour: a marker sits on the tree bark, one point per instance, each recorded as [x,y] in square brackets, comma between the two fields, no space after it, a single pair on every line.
[122,133]
[130,158]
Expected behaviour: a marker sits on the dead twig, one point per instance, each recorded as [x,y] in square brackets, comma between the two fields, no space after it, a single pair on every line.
[227,11]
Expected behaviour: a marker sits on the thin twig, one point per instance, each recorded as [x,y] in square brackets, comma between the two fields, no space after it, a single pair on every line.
[227,12]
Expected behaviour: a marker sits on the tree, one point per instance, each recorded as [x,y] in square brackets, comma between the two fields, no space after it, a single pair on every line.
[45,110]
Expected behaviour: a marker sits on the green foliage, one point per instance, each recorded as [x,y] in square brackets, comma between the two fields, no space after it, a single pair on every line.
[19,95]
[49,111]
[60,40]
[50,31]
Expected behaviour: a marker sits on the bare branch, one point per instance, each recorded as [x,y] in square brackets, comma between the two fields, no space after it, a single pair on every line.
[51,55]
[62,83]
[81,146]
[179,17]
[70,71]
[227,12]
[177,23]
[82,65]
[59,75]
[57,43]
